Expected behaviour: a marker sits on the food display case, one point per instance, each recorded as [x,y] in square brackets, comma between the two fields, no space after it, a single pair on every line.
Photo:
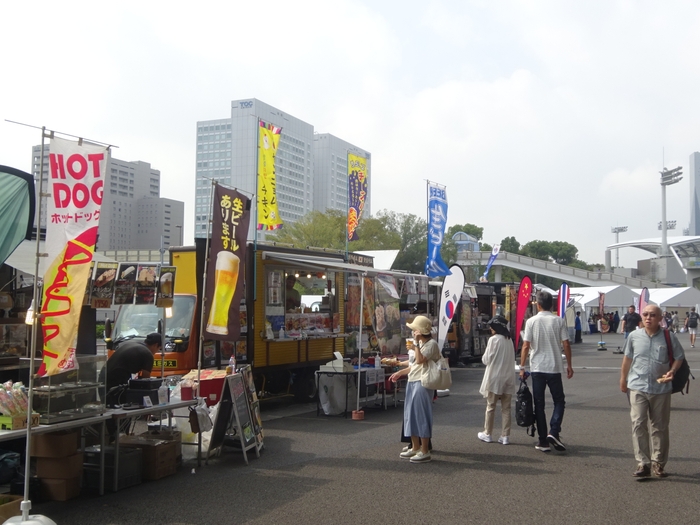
[72,395]
[13,337]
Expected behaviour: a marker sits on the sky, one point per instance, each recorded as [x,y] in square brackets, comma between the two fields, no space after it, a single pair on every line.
[545,120]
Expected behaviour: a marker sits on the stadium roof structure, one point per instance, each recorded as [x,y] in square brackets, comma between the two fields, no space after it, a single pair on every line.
[684,246]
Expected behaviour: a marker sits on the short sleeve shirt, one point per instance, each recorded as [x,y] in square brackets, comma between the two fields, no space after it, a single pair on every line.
[430,351]
[631,321]
[650,360]
[545,332]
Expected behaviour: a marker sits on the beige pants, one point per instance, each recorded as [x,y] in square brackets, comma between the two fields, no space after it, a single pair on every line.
[650,415]
[505,412]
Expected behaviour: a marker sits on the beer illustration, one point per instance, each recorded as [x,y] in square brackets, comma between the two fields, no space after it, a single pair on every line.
[166,284]
[225,280]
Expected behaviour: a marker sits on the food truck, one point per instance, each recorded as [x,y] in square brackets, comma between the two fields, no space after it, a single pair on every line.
[284,339]
[468,333]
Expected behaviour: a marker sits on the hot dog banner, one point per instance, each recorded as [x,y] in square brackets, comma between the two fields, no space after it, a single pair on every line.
[226,264]
[76,184]
[268,211]
[357,192]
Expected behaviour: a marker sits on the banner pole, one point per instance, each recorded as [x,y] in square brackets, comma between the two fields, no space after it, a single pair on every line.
[255,224]
[204,287]
[347,203]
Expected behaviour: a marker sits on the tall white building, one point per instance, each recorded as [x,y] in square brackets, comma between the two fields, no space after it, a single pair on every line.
[311,170]
[694,177]
[133,216]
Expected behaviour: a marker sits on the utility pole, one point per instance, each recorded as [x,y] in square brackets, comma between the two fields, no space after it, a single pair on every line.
[617,230]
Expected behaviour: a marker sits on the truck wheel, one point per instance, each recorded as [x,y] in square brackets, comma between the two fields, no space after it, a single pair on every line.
[304,387]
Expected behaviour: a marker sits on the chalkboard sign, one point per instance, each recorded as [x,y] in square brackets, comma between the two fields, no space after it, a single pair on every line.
[234,413]
[240,400]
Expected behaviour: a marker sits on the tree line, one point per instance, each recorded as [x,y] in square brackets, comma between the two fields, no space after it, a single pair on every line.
[406,232]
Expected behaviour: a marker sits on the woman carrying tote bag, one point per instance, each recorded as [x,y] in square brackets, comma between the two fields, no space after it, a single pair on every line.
[418,406]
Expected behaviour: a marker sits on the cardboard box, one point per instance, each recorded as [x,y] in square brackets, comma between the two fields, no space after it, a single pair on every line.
[17,422]
[168,435]
[60,489]
[159,458]
[60,468]
[55,444]
[9,506]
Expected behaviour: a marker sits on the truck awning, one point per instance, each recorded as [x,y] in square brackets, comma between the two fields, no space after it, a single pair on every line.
[332,263]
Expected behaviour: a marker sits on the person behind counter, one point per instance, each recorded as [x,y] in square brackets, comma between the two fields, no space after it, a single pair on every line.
[292,297]
[418,406]
[132,357]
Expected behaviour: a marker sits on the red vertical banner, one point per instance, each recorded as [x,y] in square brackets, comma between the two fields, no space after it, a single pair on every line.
[226,264]
[76,182]
[524,298]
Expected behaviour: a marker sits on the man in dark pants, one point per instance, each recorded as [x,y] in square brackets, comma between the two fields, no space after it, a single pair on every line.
[630,321]
[577,328]
[545,335]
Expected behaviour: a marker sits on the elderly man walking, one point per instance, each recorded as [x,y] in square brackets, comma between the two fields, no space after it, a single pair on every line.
[647,374]
[545,336]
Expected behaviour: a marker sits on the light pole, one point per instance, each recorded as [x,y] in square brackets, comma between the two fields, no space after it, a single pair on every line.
[617,230]
[668,177]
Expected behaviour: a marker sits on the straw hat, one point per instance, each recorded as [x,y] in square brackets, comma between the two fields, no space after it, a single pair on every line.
[421,324]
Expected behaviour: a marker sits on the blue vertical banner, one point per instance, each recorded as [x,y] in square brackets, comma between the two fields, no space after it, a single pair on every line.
[437,220]
[494,254]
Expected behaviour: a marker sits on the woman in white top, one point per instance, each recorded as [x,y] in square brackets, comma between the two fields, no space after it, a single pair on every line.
[418,405]
[499,378]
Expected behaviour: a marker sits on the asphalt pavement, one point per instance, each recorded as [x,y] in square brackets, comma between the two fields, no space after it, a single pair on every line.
[334,470]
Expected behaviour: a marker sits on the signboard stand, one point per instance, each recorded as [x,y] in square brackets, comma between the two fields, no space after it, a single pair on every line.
[233,420]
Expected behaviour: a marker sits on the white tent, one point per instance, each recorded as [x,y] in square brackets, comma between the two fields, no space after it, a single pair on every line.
[674,297]
[617,297]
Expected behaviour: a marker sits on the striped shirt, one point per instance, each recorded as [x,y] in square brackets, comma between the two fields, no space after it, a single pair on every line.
[545,332]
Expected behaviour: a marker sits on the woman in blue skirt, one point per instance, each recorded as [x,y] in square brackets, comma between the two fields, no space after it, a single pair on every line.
[418,406]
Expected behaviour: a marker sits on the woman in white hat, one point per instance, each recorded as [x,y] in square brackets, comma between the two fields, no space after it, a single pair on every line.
[418,406]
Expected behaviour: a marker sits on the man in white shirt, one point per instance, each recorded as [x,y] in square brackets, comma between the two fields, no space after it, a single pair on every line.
[545,335]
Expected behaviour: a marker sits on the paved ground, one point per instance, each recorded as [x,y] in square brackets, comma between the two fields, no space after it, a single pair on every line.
[331,470]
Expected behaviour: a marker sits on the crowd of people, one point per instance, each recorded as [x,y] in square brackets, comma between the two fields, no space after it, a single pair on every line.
[652,356]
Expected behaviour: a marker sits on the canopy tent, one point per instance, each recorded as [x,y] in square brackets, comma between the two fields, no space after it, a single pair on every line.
[617,297]
[16,209]
[23,258]
[674,297]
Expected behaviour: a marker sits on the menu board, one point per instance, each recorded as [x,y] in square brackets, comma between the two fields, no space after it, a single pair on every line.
[165,291]
[146,277]
[125,284]
[103,286]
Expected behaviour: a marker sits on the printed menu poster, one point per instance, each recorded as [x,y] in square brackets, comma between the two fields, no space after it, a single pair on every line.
[166,287]
[88,287]
[125,284]
[146,283]
[103,285]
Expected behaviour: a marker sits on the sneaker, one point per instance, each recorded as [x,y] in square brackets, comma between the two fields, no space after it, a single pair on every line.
[421,458]
[406,448]
[543,448]
[657,470]
[408,454]
[556,443]
[643,471]
[504,440]
[484,437]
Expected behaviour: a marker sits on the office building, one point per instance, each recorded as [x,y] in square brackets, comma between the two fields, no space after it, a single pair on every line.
[694,177]
[311,169]
[133,216]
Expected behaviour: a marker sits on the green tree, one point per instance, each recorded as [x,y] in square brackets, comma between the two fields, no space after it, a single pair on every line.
[317,229]
[412,231]
[510,245]
[563,252]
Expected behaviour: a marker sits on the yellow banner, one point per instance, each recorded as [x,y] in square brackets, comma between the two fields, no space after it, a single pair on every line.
[268,212]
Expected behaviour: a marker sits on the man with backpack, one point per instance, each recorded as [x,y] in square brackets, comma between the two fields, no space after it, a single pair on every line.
[691,324]
[647,376]
[545,336]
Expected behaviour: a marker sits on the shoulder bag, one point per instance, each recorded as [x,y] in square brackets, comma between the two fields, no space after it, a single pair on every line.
[681,379]
[436,375]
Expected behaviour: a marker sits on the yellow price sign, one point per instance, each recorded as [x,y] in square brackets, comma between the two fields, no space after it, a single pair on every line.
[169,363]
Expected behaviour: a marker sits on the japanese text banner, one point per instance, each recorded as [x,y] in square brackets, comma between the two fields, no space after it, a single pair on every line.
[357,192]
[76,183]
[226,264]
[268,212]
[437,219]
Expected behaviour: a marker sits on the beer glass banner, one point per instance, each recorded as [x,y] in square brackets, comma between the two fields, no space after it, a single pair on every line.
[357,192]
[166,287]
[230,219]
[76,182]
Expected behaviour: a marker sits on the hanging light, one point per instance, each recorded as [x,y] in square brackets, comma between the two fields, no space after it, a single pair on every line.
[308,276]
[296,275]
[29,319]
[168,312]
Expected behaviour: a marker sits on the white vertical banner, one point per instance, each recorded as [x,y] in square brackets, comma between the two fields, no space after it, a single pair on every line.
[451,294]
[76,184]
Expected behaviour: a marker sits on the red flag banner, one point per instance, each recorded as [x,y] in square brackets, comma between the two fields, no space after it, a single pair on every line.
[524,297]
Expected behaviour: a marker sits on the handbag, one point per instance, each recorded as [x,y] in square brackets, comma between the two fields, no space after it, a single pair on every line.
[681,379]
[436,375]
